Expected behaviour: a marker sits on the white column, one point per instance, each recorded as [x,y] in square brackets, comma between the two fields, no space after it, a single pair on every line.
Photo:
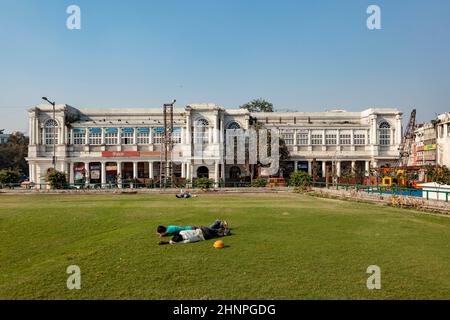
[338,168]
[36,131]
[30,130]
[119,174]
[135,169]
[398,128]
[64,140]
[183,172]
[309,167]
[210,135]
[216,173]
[295,138]
[367,137]
[103,173]
[188,129]
[216,129]
[367,168]
[71,136]
[86,136]
[295,165]
[71,173]
[309,137]
[86,169]
[103,136]
[324,169]
[374,135]
[64,167]
[31,175]
[323,136]
[352,137]
[353,166]
[151,136]
[183,136]
[150,169]
[222,132]
[188,170]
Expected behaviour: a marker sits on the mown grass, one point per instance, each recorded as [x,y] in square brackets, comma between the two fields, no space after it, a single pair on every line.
[284,246]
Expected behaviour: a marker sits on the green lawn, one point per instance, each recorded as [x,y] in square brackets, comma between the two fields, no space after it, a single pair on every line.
[284,246]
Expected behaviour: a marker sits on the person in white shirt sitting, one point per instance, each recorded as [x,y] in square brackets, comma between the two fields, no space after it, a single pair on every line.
[216,230]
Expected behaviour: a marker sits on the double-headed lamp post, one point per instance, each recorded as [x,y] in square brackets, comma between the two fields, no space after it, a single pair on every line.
[54,131]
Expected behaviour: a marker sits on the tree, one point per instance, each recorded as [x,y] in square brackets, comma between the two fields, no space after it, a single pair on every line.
[57,179]
[438,174]
[300,180]
[261,105]
[14,152]
[258,105]
[8,176]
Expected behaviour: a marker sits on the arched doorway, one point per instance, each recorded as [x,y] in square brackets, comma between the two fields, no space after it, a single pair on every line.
[202,172]
[235,173]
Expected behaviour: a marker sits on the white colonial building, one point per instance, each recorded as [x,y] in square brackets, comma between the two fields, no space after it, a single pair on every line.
[99,145]
[443,139]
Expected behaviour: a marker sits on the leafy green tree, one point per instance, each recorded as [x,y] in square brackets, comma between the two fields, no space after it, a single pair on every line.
[258,105]
[14,152]
[57,179]
[300,179]
[9,176]
[438,174]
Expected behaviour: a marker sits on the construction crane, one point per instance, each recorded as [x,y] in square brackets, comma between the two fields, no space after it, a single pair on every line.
[399,171]
[407,141]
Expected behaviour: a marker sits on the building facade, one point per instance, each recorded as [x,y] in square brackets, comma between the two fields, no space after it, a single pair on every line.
[3,137]
[424,148]
[105,145]
[443,139]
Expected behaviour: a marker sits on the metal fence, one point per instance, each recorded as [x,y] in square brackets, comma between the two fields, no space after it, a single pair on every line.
[392,190]
[396,190]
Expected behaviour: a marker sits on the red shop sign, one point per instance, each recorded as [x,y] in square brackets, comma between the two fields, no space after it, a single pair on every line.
[120,154]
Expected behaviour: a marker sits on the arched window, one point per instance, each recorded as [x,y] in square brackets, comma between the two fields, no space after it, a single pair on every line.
[201,132]
[234,125]
[235,173]
[51,132]
[202,172]
[384,133]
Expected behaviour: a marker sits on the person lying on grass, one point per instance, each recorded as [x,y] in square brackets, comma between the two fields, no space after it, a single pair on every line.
[163,231]
[216,230]
[183,195]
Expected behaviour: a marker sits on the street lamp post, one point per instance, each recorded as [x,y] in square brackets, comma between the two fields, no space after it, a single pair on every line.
[54,131]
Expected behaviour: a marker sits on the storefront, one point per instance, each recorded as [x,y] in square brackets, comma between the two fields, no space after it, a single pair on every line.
[95,171]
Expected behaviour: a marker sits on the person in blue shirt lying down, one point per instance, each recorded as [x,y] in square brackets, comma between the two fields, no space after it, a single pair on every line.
[164,231]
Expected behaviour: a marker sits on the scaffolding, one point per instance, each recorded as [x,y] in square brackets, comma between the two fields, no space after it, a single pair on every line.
[166,157]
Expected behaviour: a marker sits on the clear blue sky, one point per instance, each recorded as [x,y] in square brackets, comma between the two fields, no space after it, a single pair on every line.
[300,55]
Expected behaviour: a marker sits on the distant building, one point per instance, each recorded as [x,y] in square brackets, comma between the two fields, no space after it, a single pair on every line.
[432,143]
[424,147]
[100,145]
[443,139]
[3,137]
